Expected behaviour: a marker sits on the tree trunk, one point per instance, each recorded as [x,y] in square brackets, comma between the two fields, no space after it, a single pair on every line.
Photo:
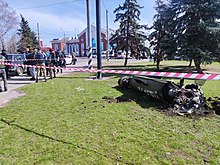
[158,59]
[197,62]
[158,64]
[126,59]
[3,45]
[190,62]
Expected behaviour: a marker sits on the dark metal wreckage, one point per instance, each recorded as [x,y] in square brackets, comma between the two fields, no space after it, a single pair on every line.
[181,99]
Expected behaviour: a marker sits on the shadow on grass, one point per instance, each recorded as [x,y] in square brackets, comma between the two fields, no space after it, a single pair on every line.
[140,98]
[10,123]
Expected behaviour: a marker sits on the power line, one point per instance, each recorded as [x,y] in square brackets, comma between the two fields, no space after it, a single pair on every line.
[49,5]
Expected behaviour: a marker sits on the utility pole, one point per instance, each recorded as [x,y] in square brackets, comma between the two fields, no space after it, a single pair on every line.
[89,52]
[38,34]
[98,33]
[64,46]
[107,51]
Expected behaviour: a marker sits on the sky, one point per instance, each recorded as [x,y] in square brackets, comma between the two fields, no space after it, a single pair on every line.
[59,18]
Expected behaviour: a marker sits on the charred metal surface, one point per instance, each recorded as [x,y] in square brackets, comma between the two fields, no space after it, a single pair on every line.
[182,100]
[214,103]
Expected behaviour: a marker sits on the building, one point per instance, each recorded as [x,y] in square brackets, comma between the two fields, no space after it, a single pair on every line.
[79,44]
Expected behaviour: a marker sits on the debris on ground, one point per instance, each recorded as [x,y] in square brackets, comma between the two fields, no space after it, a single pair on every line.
[189,99]
[214,103]
[179,99]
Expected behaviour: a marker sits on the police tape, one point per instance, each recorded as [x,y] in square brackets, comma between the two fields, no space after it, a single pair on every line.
[130,72]
[33,60]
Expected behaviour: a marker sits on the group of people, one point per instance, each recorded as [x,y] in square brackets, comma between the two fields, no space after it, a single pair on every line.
[45,62]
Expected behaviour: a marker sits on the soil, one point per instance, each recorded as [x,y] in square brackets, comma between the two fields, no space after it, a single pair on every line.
[213,106]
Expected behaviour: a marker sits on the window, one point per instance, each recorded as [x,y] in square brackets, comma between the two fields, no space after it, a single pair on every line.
[70,49]
[56,47]
[82,49]
[77,49]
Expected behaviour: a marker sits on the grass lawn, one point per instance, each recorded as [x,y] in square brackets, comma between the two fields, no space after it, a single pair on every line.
[169,66]
[68,121]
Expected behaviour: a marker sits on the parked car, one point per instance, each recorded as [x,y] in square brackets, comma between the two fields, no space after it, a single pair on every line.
[68,59]
[177,58]
[120,55]
[103,54]
[94,55]
[16,59]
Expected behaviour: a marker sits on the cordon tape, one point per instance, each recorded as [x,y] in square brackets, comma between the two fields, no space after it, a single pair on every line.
[130,72]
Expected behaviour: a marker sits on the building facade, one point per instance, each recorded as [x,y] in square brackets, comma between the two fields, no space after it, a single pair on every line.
[79,44]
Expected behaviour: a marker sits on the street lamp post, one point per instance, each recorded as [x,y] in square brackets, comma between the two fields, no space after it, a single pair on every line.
[98,33]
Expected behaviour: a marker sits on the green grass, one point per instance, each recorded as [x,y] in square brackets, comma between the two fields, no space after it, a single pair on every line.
[67,121]
[170,66]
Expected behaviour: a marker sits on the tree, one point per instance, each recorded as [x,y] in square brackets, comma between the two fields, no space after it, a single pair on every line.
[12,43]
[196,39]
[189,25]
[28,38]
[8,21]
[162,38]
[128,16]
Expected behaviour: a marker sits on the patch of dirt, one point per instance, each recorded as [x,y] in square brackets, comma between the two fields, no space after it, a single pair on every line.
[116,100]
[204,112]
[169,111]
[6,97]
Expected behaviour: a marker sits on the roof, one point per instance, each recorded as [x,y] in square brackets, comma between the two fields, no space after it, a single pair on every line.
[45,48]
[92,29]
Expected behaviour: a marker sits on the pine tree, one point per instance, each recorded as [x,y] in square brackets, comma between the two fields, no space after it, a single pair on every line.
[162,38]
[28,38]
[195,37]
[128,33]
[187,26]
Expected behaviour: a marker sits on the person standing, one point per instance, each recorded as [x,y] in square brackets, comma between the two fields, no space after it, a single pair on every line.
[61,61]
[3,73]
[74,58]
[40,63]
[52,63]
[31,61]
[47,62]
[58,60]
[6,66]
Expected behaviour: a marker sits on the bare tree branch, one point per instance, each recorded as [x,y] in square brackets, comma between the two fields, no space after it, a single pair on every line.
[8,21]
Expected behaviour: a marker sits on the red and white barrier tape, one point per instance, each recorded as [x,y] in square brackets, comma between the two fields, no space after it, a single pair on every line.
[143,73]
[32,60]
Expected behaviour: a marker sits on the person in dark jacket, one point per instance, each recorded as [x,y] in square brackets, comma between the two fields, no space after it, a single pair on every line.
[52,63]
[40,64]
[3,74]
[6,66]
[31,61]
